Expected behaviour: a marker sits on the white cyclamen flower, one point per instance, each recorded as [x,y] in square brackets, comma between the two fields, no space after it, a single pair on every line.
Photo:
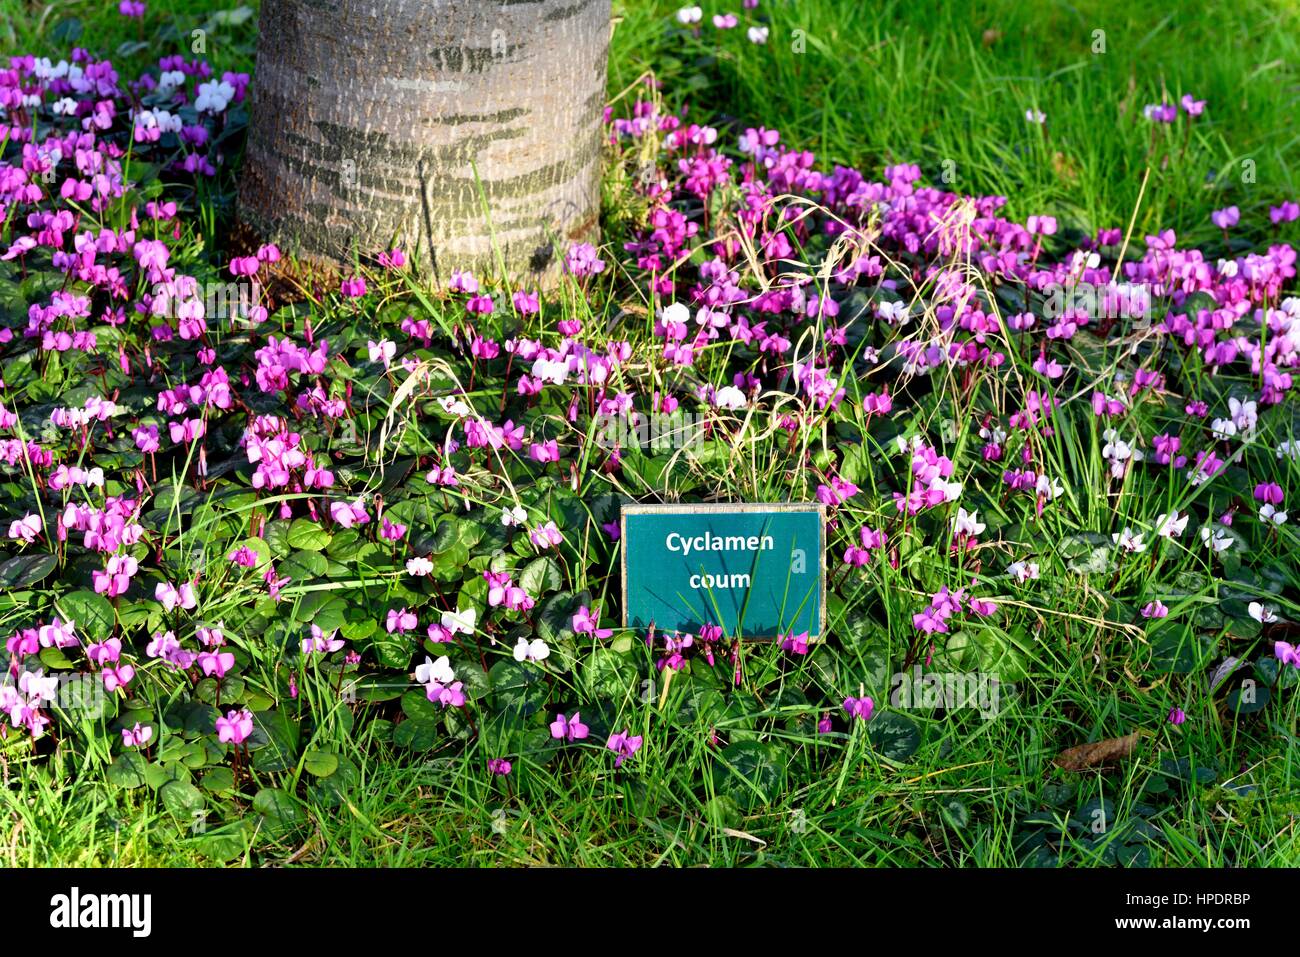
[460,622]
[967,523]
[1171,526]
[535,650]
[439,671]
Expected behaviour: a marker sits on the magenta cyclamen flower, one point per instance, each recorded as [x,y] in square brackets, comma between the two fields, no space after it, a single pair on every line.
[878,403]
[499,766]
[321,643]
[860,708]
[526,303]
[116,677]
[215,663]
[1286,653]
[796,644]
[137,736]
[235,727]
[585,622]
[449,696]
[401,621]
[26,528]
[173,597]
[623,746]
[1177,716]
[1288,212]
[581,260]
[1269,492]
[1226,218]
[1155,609]
[568,729]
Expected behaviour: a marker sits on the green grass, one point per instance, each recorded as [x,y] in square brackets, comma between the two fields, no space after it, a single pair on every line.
[875,84]
[934,83]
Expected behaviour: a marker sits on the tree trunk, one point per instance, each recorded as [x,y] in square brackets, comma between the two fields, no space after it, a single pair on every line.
[467,132]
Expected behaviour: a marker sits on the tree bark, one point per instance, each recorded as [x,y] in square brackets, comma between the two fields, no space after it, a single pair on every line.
[396,122]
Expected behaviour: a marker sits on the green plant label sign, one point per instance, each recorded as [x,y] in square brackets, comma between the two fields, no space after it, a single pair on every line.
[756,570]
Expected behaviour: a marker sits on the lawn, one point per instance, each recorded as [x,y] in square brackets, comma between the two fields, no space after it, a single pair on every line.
[1047,530]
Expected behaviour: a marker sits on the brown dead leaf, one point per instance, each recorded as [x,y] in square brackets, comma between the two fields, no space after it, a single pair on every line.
[744,836]
[991,36]
[1084,756]
[1064,167]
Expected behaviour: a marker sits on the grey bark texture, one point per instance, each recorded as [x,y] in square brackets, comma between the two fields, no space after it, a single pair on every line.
[393,122]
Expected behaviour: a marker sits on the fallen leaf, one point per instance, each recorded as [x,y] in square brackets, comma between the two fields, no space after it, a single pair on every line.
[1084,756]
[744,835]
[1064,167]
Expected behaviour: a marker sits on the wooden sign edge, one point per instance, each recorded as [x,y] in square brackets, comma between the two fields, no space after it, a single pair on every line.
[692,508]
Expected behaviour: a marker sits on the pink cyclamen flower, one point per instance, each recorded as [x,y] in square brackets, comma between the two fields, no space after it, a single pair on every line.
[381,351]
[499,767]
[321,643]
[878,403]
[581,260]
[1269,492]
[1226,218]
[401,621]
[1155,609]
[137,736]
[449,696]
[104,652]
[1286,653]
[568,729]
[117,677]
[26,528]
[526,303]
[796,644]
[544,451]
[1288,212]
[623,746]
[235,727]
[1177,716]
[173,597]
[546,536]
[860,708]
[585,622]
[146,438]
[216,663]
[347,514]
[1041,225]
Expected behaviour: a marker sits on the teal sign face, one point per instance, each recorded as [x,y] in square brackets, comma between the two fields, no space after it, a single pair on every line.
[756,570]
